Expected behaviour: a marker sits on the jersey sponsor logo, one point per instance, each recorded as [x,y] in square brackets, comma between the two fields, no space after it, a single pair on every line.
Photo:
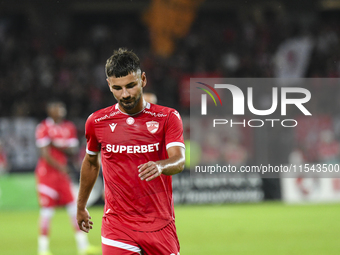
[177,114]
[132,148]
[113,126]
[152,126]
[106,116]
[153,114]
[130,121]
[101,118]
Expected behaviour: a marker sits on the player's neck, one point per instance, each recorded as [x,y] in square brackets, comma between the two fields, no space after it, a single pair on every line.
[57,120]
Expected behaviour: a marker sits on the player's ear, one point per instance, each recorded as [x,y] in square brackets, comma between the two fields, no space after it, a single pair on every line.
[144,81]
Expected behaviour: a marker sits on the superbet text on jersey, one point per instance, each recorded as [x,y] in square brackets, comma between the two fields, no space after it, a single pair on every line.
[125,142]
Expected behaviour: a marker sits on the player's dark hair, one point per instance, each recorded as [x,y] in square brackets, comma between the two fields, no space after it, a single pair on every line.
[122,63]
[54,101]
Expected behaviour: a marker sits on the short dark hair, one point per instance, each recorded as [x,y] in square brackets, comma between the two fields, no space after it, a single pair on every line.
[54,101]
[122,63]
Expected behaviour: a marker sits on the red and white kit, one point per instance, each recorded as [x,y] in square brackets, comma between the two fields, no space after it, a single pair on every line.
[141,207]
[54,187]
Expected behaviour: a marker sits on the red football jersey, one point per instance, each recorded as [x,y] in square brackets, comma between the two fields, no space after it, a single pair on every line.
[125,142]
[61,135]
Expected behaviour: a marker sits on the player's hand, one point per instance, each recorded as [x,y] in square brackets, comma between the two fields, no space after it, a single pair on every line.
[149,171]
[83,220]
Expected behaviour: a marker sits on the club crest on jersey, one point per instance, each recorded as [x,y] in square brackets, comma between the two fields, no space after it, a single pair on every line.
[152,126]
[130,121]
[113,126]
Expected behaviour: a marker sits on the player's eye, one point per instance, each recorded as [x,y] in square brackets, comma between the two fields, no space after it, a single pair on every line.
[130,86]
[116,87]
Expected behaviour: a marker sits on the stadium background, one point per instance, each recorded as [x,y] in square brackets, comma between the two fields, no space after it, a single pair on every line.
[59,48]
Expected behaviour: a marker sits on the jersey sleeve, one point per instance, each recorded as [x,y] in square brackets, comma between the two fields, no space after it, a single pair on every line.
[93,146]
[174,131]
[41,135]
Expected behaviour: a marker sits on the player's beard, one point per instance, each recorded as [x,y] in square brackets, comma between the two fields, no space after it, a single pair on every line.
[130,105]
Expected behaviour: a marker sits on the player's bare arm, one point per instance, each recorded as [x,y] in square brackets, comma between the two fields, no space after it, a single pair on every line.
[69,150]
[88,176]
[45,153]
[173,165]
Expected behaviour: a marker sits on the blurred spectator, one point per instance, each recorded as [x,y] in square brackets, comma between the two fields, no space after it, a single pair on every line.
[296,157]
[211,149]
[234,153]
[328,148]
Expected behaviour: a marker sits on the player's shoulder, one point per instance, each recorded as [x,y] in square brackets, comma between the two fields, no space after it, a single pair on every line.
[43,124]
[160,109]
[68,124]
[102,114]
[168,111]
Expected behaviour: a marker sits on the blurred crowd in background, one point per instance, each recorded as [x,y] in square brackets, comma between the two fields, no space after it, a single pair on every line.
[64,55]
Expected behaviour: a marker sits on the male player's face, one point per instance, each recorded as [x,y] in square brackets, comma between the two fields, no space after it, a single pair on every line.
[128,91]
[57,111]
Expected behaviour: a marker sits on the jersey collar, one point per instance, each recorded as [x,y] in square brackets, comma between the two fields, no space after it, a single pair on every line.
[49,121]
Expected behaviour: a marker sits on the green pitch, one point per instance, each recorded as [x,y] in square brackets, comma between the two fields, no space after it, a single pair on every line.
[265,228]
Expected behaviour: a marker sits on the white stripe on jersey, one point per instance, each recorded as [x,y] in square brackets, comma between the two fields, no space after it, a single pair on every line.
[175,144]
[48,191]
[121,245]
[42,142]
[91,152]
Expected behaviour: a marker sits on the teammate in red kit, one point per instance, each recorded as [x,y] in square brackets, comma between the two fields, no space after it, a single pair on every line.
[56,138]
[141,146]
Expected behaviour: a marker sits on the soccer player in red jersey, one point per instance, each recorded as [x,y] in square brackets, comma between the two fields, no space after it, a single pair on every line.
[56,138]
[141,146]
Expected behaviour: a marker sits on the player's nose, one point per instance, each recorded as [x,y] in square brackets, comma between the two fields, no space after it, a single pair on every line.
[125,93]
